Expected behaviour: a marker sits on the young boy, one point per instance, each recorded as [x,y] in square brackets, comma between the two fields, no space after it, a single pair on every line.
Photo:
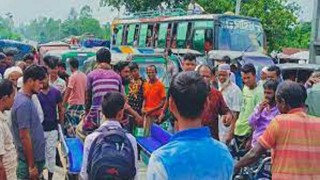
[8,155]
[50,98]
[112,109]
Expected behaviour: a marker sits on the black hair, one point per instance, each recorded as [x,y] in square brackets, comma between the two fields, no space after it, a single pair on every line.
[189,92]
[212,70]
[103,55]
[2,56]
[10,53]
[271,84]
[292,93]
[112,103]
[45,69]
[226,59]
[6,88]
[152,66]
[133,66]
[51,61]
[74,63]
[34,72]
[249,68]
[28,56]
[276,69]
[189,57]
[121,65]
[62,64]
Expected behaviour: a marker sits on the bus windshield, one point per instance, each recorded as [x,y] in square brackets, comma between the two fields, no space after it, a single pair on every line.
[236,34]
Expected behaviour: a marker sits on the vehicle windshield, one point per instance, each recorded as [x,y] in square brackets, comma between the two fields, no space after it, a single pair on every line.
[237,34]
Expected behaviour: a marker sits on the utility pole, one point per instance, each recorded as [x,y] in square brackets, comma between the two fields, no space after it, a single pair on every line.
[238,7]
[315,35]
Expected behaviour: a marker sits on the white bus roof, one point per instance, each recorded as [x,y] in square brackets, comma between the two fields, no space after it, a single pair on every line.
[177,18]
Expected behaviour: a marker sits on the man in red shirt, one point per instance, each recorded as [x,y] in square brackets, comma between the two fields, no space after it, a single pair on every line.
[154,93]
[216,107]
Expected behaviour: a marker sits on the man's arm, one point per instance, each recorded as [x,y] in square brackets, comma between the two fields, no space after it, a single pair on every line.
[25,138]
[66,95]
[61,112]
[252,156]
[88,99]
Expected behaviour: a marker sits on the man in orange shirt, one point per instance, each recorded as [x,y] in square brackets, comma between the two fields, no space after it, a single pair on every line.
[292,136]
[154,98]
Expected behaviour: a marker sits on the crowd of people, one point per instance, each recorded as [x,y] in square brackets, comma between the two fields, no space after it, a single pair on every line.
[207,109]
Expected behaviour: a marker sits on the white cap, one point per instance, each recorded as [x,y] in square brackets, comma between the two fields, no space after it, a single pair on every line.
[11,70]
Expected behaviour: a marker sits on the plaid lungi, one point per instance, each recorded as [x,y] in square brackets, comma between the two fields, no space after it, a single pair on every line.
[74,112]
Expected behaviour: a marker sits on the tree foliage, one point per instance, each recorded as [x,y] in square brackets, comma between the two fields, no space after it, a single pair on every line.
[7,30]
[278,17]
[48,29]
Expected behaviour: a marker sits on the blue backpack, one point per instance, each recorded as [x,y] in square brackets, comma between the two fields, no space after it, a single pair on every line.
[111,155]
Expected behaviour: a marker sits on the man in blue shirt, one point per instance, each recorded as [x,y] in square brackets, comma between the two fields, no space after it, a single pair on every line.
[191,153]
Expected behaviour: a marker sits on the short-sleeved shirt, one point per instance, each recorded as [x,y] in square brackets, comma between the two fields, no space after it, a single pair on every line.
[295,143]
[154,93]
[49,102]
[78,85]
[251,98]
[216,107]
[7,148]
[25,116]
[313,100]
[100,82]
[59,84]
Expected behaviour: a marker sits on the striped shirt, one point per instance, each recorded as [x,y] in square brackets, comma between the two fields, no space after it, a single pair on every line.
[295,143]
[100,82]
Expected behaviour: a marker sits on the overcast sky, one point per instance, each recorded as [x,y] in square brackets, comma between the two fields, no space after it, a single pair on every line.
[25,10]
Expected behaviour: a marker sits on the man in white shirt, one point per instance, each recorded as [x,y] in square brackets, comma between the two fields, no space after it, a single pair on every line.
[112,108]
[232,96]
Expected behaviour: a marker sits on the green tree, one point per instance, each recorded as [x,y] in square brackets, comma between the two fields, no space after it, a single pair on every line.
[7,31]
[86,12]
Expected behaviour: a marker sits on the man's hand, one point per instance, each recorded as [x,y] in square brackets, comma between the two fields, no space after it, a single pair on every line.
[33,173]
[227,119]
[139,120]
[263,105]
[124,121]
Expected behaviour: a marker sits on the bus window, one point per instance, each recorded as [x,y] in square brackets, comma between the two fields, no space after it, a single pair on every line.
[168,38]
[136,35]
[143,35]
[130,37]
[182,34]
[162,35]
[174,36]
[208,44]
[155,35]
[125,34]
[198,39]
[118,35]
[149,35]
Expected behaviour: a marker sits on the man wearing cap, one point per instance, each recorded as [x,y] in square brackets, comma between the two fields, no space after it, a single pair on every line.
[263,76]
[232,96]
[226,60]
